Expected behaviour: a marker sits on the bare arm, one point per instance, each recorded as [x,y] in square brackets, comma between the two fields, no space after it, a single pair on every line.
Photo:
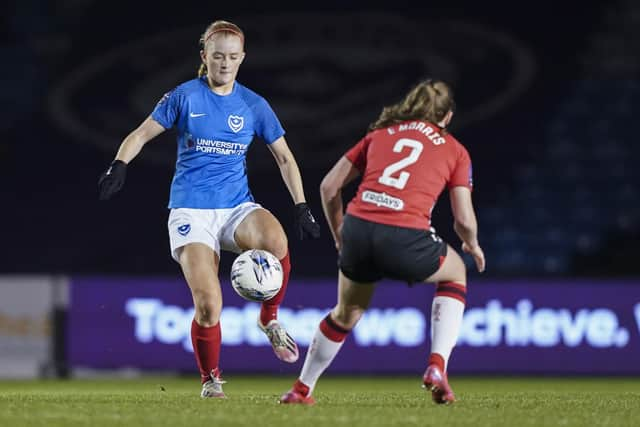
[465,223]
[342,173]
[134,142]
[288,168]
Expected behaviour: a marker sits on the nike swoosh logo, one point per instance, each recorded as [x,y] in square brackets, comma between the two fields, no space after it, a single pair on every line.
[197,114]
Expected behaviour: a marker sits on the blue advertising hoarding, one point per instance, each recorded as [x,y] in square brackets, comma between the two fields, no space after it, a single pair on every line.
[550,327]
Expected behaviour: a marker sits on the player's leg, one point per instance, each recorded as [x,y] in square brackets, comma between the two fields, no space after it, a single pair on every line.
[200,267]
[353,300]
[259,229]
[446,319]
[415,255]
[195,247]
[357,274]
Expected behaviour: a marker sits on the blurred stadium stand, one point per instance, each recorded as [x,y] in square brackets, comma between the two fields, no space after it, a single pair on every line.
[557,187]
[577,205]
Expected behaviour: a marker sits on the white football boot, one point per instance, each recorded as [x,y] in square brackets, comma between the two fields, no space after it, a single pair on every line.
[213,387]
[284,346]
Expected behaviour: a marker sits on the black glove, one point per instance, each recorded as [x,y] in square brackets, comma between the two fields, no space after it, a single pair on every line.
[304,223]
[112,180]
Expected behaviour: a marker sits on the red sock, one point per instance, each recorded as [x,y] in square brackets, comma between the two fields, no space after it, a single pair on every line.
[269,309]
[206,347]
[436,359]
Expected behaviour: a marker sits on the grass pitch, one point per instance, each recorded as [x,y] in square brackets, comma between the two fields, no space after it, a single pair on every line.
[360,401]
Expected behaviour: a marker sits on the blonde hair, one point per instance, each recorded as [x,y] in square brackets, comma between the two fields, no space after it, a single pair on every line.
[219,26]
[429,100]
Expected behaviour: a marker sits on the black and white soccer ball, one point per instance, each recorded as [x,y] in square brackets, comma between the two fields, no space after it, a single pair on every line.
[256,275]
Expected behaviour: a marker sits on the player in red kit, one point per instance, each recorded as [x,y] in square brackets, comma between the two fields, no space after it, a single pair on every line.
[406,160]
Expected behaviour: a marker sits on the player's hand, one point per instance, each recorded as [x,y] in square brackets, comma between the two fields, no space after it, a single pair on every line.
[477,254]
[112,180]
[304,223]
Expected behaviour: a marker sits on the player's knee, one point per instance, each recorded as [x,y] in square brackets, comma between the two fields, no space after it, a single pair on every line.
[207,308]
[274,241]
[207,315]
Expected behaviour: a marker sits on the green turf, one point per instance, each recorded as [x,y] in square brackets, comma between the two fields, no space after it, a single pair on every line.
[168,401]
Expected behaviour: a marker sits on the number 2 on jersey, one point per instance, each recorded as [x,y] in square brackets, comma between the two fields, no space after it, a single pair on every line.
[401,180]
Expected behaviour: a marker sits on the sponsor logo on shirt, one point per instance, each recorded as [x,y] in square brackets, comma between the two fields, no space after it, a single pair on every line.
[236,123]
[212,146]
[383,199]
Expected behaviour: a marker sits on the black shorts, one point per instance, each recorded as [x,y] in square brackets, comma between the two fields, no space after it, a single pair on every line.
[371,251]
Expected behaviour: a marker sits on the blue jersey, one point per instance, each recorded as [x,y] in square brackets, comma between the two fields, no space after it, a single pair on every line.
[214,133]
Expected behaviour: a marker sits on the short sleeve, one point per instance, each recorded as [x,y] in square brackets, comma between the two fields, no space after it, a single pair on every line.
[167,109]
[462,175]
[267,126]
[358,154]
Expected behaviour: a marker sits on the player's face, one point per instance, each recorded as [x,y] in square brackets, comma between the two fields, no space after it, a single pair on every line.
[223,55]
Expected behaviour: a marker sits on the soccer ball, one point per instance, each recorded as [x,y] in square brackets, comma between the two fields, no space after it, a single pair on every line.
[256,275]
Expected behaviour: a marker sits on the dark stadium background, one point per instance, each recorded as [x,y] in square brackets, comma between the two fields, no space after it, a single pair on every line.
[554,165]
[95,309]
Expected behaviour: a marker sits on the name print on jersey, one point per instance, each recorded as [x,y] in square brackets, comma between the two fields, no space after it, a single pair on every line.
[421,127]
[236,123]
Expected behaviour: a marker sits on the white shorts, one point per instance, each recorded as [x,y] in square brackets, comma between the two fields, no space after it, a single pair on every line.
[212,227]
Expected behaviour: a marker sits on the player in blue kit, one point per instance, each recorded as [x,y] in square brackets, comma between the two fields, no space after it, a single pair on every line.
[211,205]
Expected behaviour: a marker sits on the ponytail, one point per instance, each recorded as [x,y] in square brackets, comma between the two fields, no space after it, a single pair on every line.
[428,100]
[202,70]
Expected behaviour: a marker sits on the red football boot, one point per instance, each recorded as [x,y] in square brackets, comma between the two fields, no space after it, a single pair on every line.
[436,381]
[299,394]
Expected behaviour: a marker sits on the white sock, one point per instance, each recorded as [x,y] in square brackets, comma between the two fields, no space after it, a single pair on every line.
[319,356]
[446,319]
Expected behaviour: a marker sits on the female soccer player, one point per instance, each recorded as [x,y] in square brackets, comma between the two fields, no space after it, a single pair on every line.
[406,160]
[211,205]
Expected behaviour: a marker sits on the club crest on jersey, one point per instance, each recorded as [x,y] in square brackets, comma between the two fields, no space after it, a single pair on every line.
[235,123]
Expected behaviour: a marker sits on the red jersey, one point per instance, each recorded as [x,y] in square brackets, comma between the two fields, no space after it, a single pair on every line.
[404,169]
